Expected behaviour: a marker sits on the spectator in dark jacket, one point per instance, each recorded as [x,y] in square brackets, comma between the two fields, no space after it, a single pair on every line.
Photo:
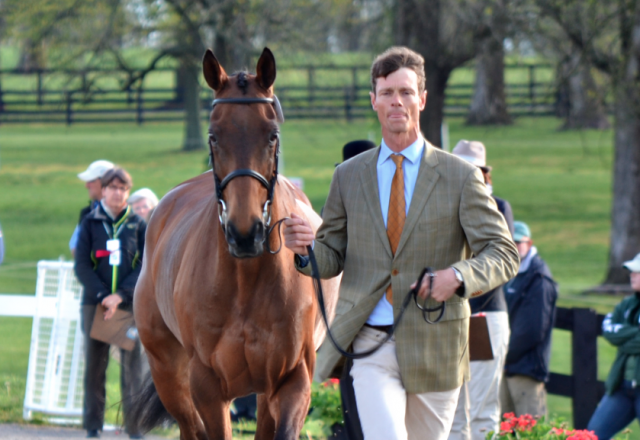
[531,300]
[107,262]
[621,403]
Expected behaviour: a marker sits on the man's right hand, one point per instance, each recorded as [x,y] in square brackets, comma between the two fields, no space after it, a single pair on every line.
[298,234]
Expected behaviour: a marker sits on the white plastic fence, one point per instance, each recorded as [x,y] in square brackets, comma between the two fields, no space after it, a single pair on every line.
[56,357]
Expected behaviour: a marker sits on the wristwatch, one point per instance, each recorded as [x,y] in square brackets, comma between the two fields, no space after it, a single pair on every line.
[460,291]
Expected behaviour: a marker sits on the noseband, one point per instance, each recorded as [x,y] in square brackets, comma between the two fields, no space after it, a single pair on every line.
[269,185]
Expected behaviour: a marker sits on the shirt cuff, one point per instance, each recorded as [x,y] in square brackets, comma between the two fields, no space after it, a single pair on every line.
[302,260]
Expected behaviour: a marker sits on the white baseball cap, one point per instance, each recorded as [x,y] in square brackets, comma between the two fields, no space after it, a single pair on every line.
[96,170]
[633,265]
[143,193]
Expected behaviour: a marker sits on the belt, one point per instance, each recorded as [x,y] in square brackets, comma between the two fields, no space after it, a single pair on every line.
[381,328]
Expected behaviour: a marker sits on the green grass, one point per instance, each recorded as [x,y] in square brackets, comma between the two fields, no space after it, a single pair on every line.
[557,182]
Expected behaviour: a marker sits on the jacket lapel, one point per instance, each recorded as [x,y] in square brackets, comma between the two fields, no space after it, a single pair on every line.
[369,179]
[425,183]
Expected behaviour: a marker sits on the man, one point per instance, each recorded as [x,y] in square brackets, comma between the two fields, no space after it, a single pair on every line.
[91,178]
[478,410]
[389,213]
[531,300]
[108,260]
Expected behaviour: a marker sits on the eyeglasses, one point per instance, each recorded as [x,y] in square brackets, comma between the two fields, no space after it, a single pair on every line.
[522,241]
[117,188]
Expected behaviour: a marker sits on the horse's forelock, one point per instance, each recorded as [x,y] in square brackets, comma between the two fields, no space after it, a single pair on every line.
[242,81]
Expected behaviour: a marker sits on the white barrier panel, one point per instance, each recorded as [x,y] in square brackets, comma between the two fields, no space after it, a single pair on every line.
[17,305]
[56,357]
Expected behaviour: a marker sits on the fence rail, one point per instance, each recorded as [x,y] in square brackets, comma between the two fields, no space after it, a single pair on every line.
[307,92]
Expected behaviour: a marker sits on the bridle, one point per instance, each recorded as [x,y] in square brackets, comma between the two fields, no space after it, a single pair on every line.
[268,184]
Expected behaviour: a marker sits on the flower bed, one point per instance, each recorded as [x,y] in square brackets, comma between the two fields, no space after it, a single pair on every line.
[530,428]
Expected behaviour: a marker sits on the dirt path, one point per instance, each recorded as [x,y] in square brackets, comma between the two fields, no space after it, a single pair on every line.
[34,432]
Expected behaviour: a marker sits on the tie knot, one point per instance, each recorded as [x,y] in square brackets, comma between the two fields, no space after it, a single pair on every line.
[397,158]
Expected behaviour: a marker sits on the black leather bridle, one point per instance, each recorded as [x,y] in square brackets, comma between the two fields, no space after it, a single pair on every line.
[268,184]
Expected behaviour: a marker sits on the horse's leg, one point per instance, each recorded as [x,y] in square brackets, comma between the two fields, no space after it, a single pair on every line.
[266,426]
[169,365]
[290,403]
[206,391]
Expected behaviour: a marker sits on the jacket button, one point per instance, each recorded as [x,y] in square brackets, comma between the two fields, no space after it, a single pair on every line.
[394,272]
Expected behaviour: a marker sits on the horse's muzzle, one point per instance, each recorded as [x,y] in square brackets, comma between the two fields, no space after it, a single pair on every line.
[246,246]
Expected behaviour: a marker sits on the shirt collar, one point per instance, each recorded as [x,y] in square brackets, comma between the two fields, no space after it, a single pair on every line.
[412,153]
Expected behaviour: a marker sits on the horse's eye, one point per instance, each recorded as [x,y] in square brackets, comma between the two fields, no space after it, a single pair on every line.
[213,140]
[274,138]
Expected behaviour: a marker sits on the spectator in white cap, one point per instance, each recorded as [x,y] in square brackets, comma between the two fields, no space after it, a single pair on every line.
[478,410]
[91,178]
[621,403]
[143,202]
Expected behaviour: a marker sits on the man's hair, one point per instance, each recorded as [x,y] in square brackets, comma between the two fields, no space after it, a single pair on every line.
[395,58]
[116,173]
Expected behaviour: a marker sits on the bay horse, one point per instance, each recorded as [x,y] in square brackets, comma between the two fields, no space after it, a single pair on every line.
[218,315]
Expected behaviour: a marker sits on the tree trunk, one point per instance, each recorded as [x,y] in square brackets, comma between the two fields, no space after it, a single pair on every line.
[583,106]
[192,130]
[625,213]
[432,116]
[489,103]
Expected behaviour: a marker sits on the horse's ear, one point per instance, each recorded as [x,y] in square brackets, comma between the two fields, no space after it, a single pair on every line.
[266,69]
[213,72]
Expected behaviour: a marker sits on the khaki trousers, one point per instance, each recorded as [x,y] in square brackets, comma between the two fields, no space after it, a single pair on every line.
[523,395]
[387,411]
[478,410]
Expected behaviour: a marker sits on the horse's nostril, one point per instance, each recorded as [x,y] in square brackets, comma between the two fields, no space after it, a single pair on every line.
[258,232]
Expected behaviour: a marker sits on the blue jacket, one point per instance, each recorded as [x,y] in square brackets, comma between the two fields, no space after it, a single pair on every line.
[531,300]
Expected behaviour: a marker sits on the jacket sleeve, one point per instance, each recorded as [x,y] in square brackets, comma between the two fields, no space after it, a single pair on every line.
[616,330]
[496,258]
[93,286]
[535,319]
[128,284]
[331,239]
[508,216]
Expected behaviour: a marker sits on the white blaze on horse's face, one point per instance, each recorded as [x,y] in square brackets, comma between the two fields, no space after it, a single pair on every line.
[244,142]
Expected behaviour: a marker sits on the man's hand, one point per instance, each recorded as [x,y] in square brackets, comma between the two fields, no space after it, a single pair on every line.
[111,303]
[445,285]
[298,234]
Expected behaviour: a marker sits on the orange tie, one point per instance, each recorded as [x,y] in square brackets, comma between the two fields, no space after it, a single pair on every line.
[397,213]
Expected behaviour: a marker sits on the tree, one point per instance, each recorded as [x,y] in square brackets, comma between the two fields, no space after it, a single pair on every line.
[489,102]
[447,34]
[607,34]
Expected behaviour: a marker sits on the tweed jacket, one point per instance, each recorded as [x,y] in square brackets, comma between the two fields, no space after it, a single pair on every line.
[451,217]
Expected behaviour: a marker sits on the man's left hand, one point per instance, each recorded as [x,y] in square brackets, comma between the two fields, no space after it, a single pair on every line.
[445,285]
[111,303]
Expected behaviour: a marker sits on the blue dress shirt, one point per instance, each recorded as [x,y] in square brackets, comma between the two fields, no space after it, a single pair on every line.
[383,312]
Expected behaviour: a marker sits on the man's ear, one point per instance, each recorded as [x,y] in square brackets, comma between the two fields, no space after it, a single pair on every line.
[373,100]
[423,100]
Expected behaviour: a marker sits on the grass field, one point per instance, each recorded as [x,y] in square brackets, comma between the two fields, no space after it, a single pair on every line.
[558,182]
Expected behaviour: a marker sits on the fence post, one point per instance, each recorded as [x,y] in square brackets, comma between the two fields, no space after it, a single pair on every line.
[69,98]
[354,84]
[584,365]
[532,87]
[39,87]
[347,104]
[139,105]
[1,96]
[311,73]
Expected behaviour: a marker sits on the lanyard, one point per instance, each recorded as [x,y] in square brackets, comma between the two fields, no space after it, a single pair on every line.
[117,228]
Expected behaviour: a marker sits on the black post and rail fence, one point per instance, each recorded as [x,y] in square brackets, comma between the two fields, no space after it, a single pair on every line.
[582,386]
[306,92]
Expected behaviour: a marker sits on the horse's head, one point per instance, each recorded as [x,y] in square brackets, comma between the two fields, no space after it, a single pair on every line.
[244,138]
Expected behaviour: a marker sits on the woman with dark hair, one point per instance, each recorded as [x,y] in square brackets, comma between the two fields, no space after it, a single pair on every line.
[107,262]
